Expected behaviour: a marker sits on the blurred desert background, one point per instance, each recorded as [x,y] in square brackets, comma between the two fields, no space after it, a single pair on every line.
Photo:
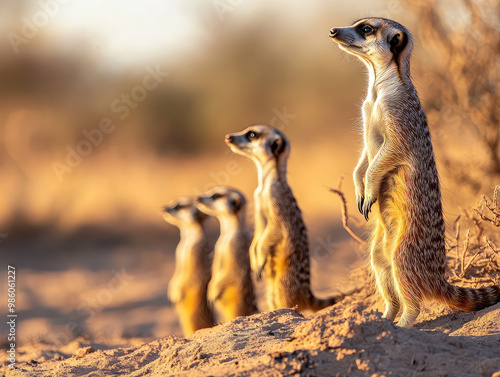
[109,110]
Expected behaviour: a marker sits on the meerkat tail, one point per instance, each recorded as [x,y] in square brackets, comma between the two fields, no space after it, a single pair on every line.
[469,299]
[316,304]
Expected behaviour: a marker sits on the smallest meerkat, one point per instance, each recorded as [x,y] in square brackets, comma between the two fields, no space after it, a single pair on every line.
[231,289]
[188,287]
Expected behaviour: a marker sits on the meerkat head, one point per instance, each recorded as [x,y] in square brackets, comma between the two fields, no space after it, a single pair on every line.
[221,201]
[182,212]
[261,143]
[376,41]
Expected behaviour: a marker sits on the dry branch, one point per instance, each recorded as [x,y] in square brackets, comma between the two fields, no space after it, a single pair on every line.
[345,216]
[481,239]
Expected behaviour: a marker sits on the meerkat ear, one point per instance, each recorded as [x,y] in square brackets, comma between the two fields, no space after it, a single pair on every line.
[236,202]
[278,145]
[398,42]
[198,215]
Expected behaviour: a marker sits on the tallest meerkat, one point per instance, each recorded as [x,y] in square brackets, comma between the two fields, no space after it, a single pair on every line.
[397,170]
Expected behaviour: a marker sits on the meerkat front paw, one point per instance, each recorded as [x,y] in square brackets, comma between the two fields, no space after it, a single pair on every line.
[253,256]
[260,269]
[211,292]
[260,263]
[174,293]
[359,188]
[359,202]
[215,291]
[370,195]
[367,207]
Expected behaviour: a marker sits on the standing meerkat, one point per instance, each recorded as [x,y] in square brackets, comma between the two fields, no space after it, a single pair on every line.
[397,170]
[188,287]
[280,246]
[231,289]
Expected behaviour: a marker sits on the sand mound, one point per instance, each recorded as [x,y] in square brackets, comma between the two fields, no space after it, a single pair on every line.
[349,339]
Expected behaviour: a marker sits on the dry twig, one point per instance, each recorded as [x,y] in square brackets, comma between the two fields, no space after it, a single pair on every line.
[345,216]
[466,247]
[484,266]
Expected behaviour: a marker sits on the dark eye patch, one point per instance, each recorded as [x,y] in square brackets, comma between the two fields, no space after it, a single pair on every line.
[216,196]
[251,135]
[365,29]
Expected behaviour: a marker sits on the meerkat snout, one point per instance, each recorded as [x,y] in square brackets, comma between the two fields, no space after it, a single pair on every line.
[221,200]
[260,142]
[182,211]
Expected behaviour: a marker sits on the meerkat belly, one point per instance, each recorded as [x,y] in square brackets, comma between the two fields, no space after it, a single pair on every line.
[394,203]
[231,296]
[233,273]
[279,260]
[261,209]
[286,259]
[191,300]
[374,139]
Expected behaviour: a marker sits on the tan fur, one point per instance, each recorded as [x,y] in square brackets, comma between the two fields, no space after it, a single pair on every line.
[231,289]
[188,287]
[397,170]
[280,245]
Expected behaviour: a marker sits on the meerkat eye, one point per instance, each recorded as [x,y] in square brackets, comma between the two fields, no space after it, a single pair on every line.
[216,196]
[252,135]
[177,207]
[367,29]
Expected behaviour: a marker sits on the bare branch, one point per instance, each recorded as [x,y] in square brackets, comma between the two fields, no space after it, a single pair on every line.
[472,260]
[491,245]
[481,240]
[345,216]
[466,247]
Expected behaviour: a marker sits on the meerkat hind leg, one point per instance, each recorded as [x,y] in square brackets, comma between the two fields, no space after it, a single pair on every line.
[227,305]
[411,309]
[271,294]
[382,268]
[281,296]
[409,293]
[289,292]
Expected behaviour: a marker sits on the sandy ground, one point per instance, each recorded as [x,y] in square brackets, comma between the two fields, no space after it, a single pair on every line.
[109,291]
[348,339]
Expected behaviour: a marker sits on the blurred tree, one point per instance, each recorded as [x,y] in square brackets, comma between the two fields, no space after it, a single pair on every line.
[462,83]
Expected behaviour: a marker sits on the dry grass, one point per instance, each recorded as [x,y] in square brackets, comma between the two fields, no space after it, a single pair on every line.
[474,259]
